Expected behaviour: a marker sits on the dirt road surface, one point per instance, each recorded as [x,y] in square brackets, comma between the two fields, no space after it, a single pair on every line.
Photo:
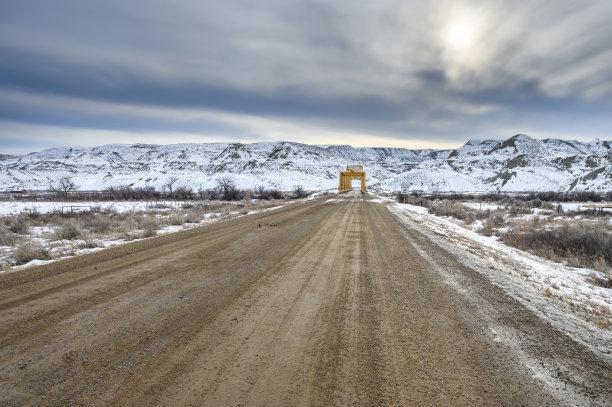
[325,302]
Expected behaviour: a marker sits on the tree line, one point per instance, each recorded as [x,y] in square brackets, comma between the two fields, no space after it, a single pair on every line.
[225,189]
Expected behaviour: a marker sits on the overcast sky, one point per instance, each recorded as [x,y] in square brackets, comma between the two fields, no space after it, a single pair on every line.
[417,74]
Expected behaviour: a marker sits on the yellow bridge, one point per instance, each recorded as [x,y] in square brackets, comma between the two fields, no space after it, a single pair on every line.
[352,172]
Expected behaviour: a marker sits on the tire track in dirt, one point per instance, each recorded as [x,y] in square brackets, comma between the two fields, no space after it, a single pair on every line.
[433,335]
[130,342]
[262,319]
[109,279]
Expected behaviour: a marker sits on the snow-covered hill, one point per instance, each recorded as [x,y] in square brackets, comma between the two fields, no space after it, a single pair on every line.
[517,164]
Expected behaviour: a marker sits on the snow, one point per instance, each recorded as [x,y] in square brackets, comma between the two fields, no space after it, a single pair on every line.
[322,193]
[484,206]
[582,206]
[33,263]
[9,208]
[526,277]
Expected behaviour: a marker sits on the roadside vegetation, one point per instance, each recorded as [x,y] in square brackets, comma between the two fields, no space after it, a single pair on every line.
[225,189]
[546,224]
[46,236]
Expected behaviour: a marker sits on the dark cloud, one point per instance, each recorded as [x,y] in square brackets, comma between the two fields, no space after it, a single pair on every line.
[381,68]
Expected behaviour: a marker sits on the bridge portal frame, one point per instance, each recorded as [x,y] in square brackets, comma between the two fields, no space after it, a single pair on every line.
[352,172]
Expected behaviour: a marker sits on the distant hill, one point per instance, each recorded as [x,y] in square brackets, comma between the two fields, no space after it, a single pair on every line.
[519,163]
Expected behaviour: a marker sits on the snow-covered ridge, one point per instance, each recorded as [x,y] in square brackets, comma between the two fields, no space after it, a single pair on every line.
[516,164]
[519,163]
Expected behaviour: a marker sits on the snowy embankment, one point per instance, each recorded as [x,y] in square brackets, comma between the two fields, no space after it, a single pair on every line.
[563,295]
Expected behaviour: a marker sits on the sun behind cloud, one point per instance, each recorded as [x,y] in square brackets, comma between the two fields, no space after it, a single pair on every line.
[461,39]
[460,36]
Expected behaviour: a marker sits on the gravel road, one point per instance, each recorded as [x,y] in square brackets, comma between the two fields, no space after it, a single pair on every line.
[325,302]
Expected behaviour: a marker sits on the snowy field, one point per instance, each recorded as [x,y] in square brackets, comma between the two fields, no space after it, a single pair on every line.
[8,208]
[566,206]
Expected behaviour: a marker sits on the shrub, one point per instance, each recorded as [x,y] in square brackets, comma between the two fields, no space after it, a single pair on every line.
[515,210]
[453,209]
[228,190]
[582,245]
[268,194]
[29,251]
[208,207]
[415,199]
[176,219]
[19,224]
[480,214]
[602,265]
[7,238]
[150,225]
[89,244]
[299,192]
[69,229]
[487,229]
[99,223]
[492,221]
[193,216]
[496,219]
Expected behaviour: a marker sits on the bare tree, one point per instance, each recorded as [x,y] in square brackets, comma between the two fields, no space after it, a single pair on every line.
[170,183]
[260,192]
[64,186]
[228,190]
[299,192]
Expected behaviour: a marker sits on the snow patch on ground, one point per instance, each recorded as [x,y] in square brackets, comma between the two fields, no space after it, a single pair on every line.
[322,193]
[565,206]
[9,208]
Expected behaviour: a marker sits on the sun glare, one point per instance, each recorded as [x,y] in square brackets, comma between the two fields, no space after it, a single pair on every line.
[460,36]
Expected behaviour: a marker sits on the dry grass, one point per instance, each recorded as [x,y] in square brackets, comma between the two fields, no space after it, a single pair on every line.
[415,200]
[20,224]
[99,223]
[581,244]
[492,223]
[28,251]
[192,216]
[454,209]
[8,238]
[176,219]
[69,229]
[605,282]
[150,225]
